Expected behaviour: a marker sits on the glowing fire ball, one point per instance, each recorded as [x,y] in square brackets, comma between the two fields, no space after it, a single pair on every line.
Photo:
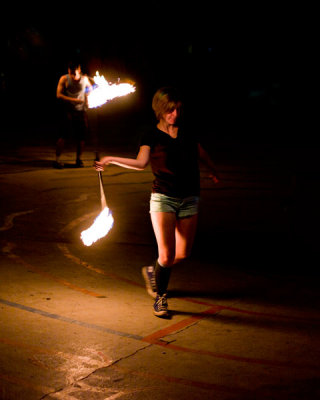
[100,227]
[103,91]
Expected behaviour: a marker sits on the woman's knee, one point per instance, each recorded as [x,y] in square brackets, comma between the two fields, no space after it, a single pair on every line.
[169,257]
[180,257]
[166,259]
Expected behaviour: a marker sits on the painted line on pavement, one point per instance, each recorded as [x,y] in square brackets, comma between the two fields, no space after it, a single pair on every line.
[254,313]
[69,320]
[182,381]
[66,252]
[8,222]
[230,357]
[7,249]
[155,338]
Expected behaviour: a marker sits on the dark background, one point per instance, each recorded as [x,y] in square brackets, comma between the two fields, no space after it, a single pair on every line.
[247,73]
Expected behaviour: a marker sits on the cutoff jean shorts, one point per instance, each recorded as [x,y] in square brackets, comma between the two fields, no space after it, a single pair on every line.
[182,207]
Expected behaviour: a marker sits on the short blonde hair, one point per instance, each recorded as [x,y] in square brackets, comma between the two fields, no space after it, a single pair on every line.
[165,101]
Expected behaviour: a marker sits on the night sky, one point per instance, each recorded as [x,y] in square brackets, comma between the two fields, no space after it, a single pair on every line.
[237,69]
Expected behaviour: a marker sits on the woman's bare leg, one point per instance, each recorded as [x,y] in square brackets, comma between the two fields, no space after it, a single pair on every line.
[175,237]
[164,226]
[185,233]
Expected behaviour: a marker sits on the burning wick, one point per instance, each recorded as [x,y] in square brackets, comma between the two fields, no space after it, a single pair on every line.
[104,91]
[102,224]
[100,227]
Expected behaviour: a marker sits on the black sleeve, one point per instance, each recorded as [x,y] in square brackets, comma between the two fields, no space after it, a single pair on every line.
[147,139]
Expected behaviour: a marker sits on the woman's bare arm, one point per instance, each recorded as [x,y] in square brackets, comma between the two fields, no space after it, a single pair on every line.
[138,163]
[206,159]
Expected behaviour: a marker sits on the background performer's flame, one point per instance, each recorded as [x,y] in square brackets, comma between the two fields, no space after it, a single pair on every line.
[104,91]
[100,227]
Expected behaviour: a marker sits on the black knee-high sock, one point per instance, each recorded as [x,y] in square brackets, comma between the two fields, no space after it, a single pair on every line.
[162,275]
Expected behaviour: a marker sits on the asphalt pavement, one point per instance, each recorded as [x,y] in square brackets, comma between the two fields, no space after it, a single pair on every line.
[77,323]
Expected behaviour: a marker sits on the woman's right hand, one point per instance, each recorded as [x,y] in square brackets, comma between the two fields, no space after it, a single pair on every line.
[98,166]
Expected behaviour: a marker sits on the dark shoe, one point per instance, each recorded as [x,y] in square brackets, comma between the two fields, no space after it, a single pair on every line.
[79,164]
[150,280]
[160,307]
[58,165]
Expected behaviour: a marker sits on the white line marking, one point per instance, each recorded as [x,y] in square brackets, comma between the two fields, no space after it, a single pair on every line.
[8,221]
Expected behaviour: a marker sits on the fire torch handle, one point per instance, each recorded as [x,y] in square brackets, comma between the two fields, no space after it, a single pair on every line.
[103,197]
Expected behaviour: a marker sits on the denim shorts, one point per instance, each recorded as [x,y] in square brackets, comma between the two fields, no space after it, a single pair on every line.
[185,207]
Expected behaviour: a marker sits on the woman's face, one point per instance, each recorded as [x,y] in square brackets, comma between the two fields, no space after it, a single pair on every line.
[171,117]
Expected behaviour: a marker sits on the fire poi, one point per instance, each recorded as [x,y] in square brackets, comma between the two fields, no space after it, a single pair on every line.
[102,224]
[100,228]
[101,94]
[104,91]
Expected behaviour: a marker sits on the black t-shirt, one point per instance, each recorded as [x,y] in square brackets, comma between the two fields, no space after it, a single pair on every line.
[174,163]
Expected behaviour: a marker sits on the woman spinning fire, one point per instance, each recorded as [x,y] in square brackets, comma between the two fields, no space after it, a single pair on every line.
[173,154]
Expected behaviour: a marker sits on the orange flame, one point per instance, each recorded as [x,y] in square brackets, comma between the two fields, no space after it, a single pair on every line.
[105,91]
[100,227]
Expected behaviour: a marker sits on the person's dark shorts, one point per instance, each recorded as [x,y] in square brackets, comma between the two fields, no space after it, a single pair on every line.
[74,125]
[182,207]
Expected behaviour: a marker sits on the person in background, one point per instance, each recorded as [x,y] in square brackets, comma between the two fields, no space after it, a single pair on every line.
[72,92]
[173,151]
